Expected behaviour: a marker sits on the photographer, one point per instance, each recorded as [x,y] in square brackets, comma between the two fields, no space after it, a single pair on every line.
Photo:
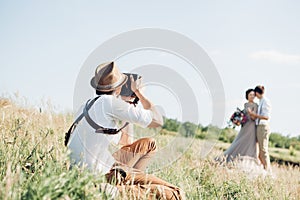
[95,130]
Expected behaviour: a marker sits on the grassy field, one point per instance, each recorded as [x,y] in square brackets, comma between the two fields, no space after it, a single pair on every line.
[34,165]
[279,155]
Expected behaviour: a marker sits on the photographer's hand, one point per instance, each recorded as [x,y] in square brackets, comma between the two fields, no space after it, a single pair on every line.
[157,119]
[135,87]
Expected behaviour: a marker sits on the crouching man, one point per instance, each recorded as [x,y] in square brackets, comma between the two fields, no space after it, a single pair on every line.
[95,129]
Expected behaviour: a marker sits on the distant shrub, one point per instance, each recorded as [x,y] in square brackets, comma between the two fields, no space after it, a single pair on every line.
[292,151]
[188,129]
[200,135]
[171,124]
[227,135]
[166,132]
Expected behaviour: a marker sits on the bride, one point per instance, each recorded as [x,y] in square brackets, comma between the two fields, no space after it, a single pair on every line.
[244,145]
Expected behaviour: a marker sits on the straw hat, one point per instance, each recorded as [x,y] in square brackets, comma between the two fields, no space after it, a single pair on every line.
[108,77]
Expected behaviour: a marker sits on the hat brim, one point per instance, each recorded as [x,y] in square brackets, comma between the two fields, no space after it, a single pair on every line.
[108,88]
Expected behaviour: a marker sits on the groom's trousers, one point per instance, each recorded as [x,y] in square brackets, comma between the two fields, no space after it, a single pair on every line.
[262,135]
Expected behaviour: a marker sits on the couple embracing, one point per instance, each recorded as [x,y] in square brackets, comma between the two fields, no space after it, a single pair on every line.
[255,132]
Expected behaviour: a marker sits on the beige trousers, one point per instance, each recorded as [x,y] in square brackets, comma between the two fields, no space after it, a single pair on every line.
[138,154]
[262,135]
[132,182]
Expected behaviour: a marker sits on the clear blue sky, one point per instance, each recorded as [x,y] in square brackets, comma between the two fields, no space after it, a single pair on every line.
[44,43]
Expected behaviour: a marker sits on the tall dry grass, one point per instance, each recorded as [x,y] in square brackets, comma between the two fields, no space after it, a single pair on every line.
[34,165]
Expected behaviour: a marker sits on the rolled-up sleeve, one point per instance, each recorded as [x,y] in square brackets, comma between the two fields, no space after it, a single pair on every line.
[127,112]
[266,109]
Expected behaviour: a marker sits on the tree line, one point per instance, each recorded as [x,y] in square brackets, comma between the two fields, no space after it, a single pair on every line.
[189,129]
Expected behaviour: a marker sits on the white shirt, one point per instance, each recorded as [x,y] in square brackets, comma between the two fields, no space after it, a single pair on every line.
[264,109]
[93,149]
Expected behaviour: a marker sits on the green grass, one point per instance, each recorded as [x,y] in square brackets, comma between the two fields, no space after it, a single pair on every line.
[285,155]
[34,165]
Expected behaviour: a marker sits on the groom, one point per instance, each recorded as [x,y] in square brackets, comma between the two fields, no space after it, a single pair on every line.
[263,128]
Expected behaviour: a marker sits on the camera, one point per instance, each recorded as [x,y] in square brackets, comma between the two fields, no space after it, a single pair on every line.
[126,88]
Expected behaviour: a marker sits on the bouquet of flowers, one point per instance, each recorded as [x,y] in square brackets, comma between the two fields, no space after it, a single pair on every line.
[239,117]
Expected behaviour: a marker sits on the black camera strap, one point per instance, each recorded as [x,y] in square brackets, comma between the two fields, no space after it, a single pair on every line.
[91,122]
[97,127]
